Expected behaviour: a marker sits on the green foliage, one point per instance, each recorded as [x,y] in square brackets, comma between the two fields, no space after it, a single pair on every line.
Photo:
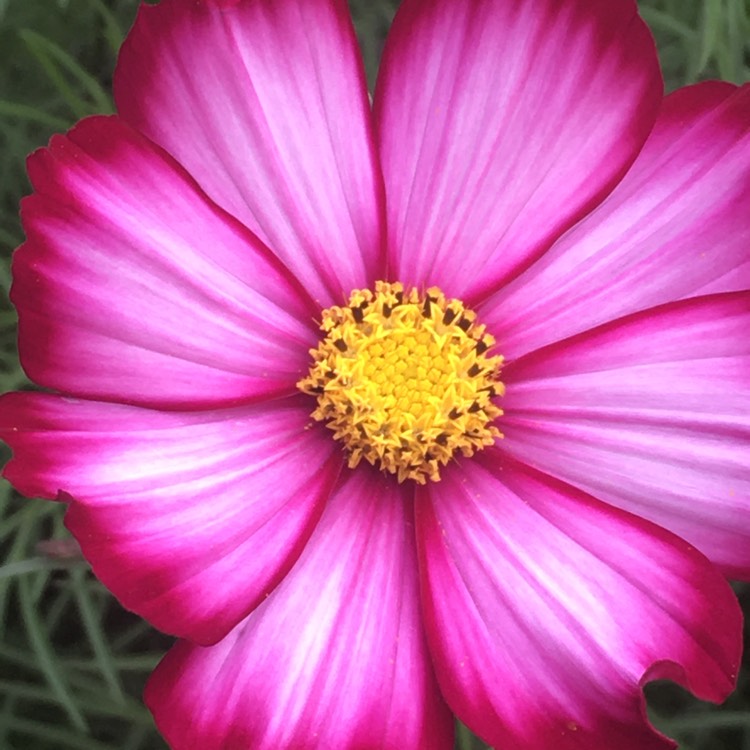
[701,39]
[72,662]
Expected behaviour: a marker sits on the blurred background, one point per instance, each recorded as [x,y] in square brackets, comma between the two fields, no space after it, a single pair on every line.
[72,662]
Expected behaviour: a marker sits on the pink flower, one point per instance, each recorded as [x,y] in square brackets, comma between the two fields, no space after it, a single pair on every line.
[519,157]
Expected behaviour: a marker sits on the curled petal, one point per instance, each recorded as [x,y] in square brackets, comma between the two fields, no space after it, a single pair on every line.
[547,610]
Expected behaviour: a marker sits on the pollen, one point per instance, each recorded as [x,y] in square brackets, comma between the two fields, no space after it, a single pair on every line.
[405,380]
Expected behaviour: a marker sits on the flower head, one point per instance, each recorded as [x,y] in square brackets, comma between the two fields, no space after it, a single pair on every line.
[405,380]
[436,407]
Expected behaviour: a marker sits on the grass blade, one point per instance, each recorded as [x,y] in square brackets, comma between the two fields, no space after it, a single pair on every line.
[45,657]
[54,60]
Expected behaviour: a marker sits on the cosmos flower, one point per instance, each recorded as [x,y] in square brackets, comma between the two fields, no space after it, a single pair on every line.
[391,414]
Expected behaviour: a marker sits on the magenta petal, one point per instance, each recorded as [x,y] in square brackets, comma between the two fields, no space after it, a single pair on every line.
[335,658]
[500,124]
[676,226]
[651,414]
[265,103]
[190,519]
[547,610]
[134,287]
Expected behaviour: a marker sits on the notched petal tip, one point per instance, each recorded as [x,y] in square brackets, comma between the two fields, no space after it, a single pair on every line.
[576,604]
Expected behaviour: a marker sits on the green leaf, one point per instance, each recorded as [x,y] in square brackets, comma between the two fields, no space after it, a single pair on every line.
[710,34]
[58,64]
[45,656]
[95,634]
[13,110]
[112,30]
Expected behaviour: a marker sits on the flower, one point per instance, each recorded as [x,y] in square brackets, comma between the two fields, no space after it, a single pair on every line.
[506,478]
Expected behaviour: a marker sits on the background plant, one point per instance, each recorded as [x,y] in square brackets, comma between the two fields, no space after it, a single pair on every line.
[72,662]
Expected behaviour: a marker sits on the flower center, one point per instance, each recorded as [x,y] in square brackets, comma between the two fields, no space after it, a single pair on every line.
[404,380]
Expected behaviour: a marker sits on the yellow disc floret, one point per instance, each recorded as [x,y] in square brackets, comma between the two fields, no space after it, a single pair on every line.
[405,380]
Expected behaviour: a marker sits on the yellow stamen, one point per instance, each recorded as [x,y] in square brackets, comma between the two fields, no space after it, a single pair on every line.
[404,380]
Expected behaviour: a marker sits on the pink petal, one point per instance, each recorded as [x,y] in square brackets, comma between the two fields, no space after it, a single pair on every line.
[191,519]
[265,103]
[651,414]
[335,658]
[546,611]
[678,225]
[501,124]
[134,287]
